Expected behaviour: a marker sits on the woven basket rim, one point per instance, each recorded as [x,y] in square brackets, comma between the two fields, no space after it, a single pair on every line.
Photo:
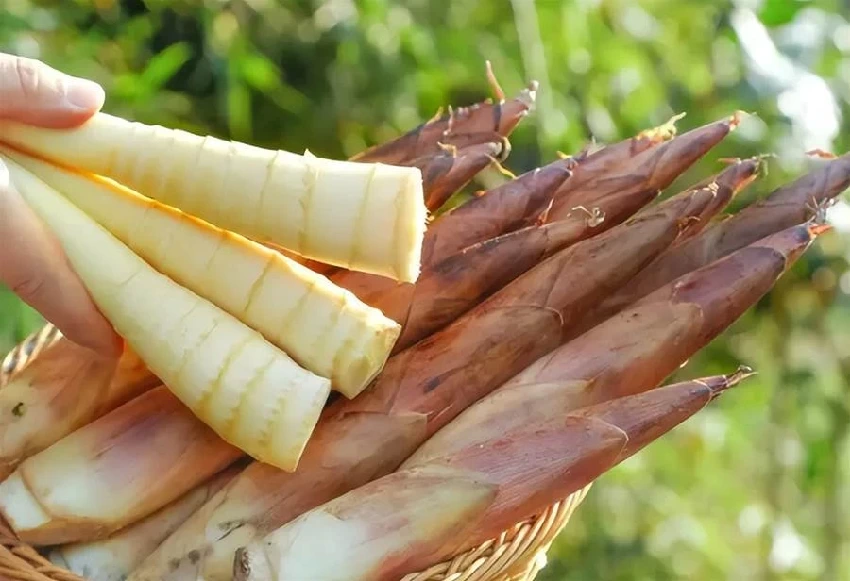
[517,554]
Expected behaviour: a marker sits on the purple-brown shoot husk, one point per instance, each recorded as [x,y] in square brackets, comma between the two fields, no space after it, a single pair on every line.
[420,390]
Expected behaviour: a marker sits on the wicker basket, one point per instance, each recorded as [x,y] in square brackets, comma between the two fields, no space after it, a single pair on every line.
[518,554]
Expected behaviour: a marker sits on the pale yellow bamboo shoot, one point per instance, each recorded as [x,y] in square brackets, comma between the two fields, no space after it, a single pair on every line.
[323,327]
[249,391]
[363,216]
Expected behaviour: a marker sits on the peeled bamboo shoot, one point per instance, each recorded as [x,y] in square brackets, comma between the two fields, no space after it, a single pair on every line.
[443,172]
[325,328]
[251,393]
[363,216]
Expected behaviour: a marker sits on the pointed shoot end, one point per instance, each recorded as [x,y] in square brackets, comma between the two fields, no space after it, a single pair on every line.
[498,149]
[725,382]
[568,163]
[736,119]
[760,163]
[751,168]
[664,132]
[743,372]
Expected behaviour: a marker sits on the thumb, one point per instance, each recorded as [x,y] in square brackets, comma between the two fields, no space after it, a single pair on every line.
[33,93]
[33,265]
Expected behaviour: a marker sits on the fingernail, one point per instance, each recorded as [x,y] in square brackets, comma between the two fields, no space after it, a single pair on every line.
[84,94]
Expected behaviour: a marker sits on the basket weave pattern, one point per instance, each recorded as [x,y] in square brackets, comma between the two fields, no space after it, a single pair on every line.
[518,554]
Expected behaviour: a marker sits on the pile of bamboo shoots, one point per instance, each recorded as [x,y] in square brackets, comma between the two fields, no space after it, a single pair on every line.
[492,358]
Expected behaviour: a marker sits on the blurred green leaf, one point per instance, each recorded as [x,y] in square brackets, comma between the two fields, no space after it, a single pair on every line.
[778,12]
[163,66]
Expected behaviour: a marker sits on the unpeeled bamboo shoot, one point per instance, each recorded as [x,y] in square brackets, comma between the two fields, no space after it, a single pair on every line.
[249,391]
[787,205]
[649,340]
[594,161]
[517,203]
[631,185]
[387,528]
[449,170]
[112,472]
[323,327]
[454,285]
[514,414]
[435,504]
[420,391]
[739,174]
[363,216]
[64,388]
[113,558]
[460,127]
[627,354]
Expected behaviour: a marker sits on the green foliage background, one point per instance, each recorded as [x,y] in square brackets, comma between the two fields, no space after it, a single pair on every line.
[755,487]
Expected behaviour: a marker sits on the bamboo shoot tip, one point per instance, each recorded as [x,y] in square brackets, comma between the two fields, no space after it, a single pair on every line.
[731,380]
[737,117]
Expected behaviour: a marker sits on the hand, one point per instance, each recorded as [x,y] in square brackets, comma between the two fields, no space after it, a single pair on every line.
[32,263]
